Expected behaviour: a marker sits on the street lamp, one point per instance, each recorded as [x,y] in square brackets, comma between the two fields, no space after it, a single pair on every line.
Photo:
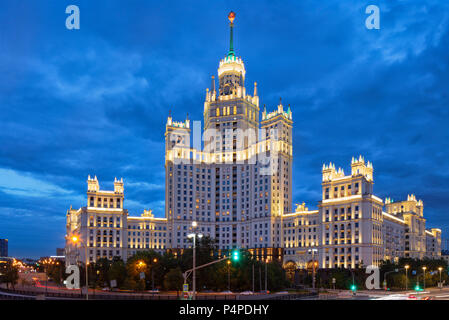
[441,284]
[152,273]
[424,276]
[229,275]
[266,276]
[313,266]
[190,236]
[406,279]
[75,239]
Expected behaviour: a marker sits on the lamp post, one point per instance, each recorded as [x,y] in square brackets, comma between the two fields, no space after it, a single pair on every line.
[253,278]
[441,284]
[190,236]
[313,266]
[229,275]
[152,273]
[406,278]
[424,277]
[75,240]
[140,266]
[266,277]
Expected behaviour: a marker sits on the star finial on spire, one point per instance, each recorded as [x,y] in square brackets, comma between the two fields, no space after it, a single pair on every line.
[231,18]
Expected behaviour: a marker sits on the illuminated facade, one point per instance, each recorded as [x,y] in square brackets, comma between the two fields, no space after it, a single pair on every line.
[352,229]
[233,177]
[235,182]
[104,225]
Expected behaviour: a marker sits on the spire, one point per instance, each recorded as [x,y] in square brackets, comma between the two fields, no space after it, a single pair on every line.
[231,18]
[213,84]
[255,89]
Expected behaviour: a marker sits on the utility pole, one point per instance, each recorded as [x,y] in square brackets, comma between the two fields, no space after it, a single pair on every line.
[260,277]
[229,275]
[253,278]
[266,277]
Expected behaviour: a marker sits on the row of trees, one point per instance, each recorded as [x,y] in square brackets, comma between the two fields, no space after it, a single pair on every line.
[149,269]
[394,274]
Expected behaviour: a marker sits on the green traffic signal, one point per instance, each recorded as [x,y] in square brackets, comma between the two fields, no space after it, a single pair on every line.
[235,255]
[353,287]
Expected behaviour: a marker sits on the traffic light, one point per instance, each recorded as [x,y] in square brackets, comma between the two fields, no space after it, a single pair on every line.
[236,255]
[417,288]
[353,288]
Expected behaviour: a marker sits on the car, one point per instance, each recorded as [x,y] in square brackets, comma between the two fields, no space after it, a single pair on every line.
[153,291]
[412,297]
[106,289]
[427,298]
[246,293]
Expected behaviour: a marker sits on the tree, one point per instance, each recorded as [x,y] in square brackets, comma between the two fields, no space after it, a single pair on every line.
[173,280]
[101,271]
[56,271]
[117,272]
[148,262]
[10,273]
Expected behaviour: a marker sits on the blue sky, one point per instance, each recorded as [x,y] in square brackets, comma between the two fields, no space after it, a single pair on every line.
[95,100]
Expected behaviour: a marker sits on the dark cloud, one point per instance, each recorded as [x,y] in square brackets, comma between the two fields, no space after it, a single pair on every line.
[95,101]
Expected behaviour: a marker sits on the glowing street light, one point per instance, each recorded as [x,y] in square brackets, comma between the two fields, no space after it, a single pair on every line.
[193,236]
[441,284]
[141,264]
[76,239]
[229,275]
[424,270]
[406,276]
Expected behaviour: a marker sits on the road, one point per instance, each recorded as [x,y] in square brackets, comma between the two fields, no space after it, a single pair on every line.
[428,294]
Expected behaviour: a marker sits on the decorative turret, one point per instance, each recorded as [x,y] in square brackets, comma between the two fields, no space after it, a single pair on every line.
[178,124]
[118,186]
[280,111]
[330,172]
[92,184]
[358,166]
[410,205]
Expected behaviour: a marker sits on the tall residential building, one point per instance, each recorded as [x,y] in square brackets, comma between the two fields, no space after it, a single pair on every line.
[238,184]
[3,247]
[233,177]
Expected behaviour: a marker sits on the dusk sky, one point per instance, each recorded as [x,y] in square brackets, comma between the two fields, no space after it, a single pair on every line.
[95,100]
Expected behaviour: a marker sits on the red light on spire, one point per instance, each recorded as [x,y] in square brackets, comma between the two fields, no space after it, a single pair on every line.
[231,16]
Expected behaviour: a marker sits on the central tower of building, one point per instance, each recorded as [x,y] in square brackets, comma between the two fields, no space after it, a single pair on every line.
[236,181]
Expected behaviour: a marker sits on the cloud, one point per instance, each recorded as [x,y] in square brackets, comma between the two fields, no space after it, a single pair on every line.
[95,101]
[14,183]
